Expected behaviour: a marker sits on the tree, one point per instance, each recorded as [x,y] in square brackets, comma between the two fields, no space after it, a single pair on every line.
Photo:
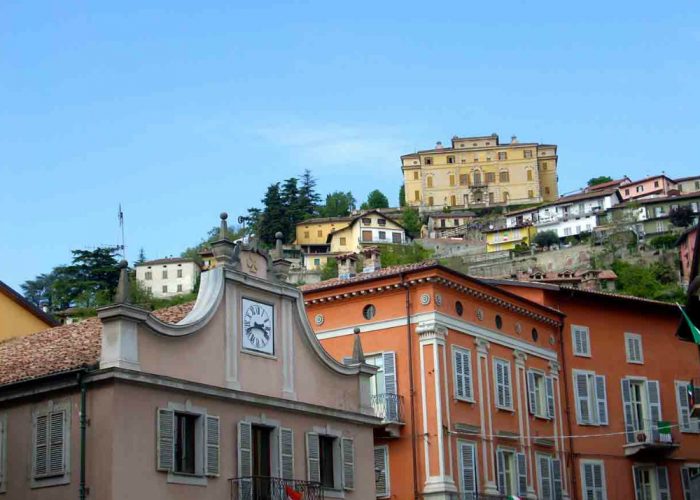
[375,199]
[402,195]
[273,217]
[410,220]
[546,238]
[309,199]
[599,180]
[141,258]
[329,269]
[233,233]
[338,204]
[394,255]
[681,216]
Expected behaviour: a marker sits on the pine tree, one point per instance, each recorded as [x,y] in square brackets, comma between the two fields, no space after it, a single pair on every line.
[309,198]
[273,217]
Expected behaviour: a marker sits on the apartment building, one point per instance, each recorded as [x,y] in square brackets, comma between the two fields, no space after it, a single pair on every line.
[657,185]
[168,277]
[468,383]
[507,238]
[230,397]
[478,172]
[686,253]
[626,375]
[688,184]
[651,216]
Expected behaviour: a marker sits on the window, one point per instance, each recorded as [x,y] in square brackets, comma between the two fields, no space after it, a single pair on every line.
[416,195]
[459,308]
[165,288]
[455,222]
[546,190]
[686,423]
[640,189]
[430,201]
[544,165]
[381,222]
[651,483]
[463,179]
[415,175]
[149,275]
[641,404]
[567,231]
[540,390]
[502,155]
[656,184]
[527,153]
[490,177]
[505,197]
[529,175]
[503,176]
[343,240]
[165,274]
[396,238]
[593,480]
[330,461]
[687,473]
[512,472]
[51,439]
[530,193]
[535,335]
[429,181]
[499,321]
[633,348]
[428,161]
[306,234]
[660,226]
[453,200]
[580,341]
[179,288]
[381,471]
[150,289]
[187,441]
[450,159]
[504,397]
[367,221]
[467,468]
[591,398]
[452,180]
[369,311]
[325,448]
[382,235]
[383,388]
[461,359]
[548,477]
[319,233]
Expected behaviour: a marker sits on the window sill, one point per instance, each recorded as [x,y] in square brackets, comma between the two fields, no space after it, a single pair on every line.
[47,482]
[509,410]
[543,417]
[260,354]
[463,400]
[333,493]
[188,479]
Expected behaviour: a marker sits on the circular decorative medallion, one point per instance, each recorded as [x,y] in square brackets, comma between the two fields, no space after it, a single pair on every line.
[518,328]
[319,319]
[480,314]
[438,299]
[425,299]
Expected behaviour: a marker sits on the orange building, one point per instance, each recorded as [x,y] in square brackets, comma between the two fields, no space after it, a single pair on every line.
[625,374]
[468,384]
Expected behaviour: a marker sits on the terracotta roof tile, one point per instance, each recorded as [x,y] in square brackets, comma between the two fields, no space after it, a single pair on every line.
[388,271]
[63,348]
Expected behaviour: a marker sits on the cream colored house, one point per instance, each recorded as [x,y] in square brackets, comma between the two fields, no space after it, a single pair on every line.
[367,229]
[168,277]
[478,172]
[230,398]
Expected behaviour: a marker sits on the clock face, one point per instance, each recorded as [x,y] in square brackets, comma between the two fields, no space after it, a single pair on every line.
[258,327]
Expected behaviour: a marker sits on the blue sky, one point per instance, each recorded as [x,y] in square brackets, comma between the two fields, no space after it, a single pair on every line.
[180,111]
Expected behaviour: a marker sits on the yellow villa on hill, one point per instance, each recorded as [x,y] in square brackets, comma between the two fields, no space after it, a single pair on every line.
[479,172]
[507,238]
[18,316]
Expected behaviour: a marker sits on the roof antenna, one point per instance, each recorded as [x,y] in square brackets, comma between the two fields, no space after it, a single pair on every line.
[120,216]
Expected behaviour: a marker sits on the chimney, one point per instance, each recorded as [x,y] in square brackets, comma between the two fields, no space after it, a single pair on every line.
[346,265]
[372,259]
[513,139]
[438,145]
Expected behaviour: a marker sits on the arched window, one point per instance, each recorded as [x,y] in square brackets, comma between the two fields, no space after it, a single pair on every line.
[477,178]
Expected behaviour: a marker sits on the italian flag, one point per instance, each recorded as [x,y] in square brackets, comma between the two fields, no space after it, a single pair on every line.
[693,329]
[292,494]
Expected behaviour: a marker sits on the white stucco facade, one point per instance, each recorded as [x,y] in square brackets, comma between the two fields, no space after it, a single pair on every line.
[168,277]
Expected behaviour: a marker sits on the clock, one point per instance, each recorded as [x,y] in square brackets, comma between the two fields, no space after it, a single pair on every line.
[258,327]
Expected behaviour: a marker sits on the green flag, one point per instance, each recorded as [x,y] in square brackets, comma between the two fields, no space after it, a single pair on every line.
[693,329]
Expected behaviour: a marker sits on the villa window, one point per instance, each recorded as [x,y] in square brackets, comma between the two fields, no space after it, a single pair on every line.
[527,153]
[540,394]
[503,155]
[503,176]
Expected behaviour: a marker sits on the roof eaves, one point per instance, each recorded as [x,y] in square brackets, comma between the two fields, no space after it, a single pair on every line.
[23,302]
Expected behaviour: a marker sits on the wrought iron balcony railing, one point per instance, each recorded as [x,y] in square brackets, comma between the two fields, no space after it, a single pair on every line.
[388,407]
[273,488]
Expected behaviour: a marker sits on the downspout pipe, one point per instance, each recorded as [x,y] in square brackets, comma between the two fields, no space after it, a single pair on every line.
[567,409]
[82,495]
[412,392]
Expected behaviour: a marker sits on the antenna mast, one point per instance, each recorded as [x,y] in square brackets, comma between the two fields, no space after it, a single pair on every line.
[121,226]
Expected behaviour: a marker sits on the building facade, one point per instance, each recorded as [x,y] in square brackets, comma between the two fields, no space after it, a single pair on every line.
[478,172]
[688,184]
[232,397]
[468,381]
[507,238]
[367,229]
[168,277]
[18,316]
[658,185]
[626,376]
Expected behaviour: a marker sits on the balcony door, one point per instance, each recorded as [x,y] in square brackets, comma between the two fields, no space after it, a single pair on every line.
[383,386]
[261,457]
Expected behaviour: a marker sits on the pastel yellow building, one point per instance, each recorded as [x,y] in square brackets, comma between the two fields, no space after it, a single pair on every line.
[508,238]
[367,229]
[18,316]
[479,172]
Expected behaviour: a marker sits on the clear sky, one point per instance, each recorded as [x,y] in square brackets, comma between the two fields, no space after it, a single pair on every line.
[180,110]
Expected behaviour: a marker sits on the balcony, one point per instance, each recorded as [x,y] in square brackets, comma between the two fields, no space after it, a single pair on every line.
[388,407]
[273,488]
[654,440]
[379,241]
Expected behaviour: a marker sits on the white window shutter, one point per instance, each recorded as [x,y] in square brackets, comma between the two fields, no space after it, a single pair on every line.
[557,488]
[392,409]
[654,400]
[601,399]
[549,391]
[348,453]
[286,453]
[381,468]
[662,481]
[498,371]
[582,398]
[507,386]
[638,482]
[627,410]
[458,369]
[531,397]
[685,480]
[467,464]
[57,425]
[521,464]
[545,477]
[588,481]
[467,373]
[245,449]
[501,469]
[166,440]
[313,457]
[41,445]
[212,456]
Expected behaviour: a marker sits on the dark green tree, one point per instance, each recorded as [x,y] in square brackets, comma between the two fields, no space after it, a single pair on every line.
[411,221]
[375,199]
[309,199]
[338,204]
[402,195]
[273,218]
[681,216]
[546,238]
[141,258]
[234,233]
[599,180]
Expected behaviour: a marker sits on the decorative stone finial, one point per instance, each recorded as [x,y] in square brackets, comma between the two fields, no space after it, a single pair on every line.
[279,253]
[122,295]
[358,356]
[223,229]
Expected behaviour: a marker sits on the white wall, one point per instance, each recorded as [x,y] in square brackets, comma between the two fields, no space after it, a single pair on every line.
[190,273]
